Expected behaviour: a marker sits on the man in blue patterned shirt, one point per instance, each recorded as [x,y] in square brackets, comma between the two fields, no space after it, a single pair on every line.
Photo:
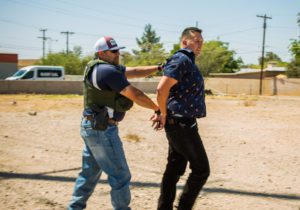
[181,98]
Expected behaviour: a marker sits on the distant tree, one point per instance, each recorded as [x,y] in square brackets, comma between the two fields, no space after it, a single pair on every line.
[270,56]
[148,40]
[155,56]
[176,47]
[126,58]
[293,69]
[251,66]
[77,50]
[84,62]
[151,51]
[71,62]
[217,58]
[232,65]
[295,48]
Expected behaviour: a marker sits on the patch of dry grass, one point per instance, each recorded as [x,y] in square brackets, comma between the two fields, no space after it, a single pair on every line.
[249,102]
[132,137]
[38,102]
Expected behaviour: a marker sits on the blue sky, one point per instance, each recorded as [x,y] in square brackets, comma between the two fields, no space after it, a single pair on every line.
[232,21]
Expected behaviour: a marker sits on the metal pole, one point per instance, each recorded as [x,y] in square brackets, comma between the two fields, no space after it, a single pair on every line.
[262,56]
[265,17]
[67,42]
[44,38]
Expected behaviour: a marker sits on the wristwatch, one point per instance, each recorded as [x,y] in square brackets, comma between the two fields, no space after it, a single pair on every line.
[160,67]
[157,112]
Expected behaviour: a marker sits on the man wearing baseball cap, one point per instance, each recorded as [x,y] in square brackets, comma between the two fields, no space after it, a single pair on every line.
[107,96]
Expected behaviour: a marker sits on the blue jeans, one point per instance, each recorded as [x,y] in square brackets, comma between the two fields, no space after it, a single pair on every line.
[103,151]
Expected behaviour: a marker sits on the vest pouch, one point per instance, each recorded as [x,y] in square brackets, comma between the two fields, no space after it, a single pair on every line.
[99,118]
[122,103]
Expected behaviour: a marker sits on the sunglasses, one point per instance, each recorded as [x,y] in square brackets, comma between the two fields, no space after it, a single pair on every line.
[114,51]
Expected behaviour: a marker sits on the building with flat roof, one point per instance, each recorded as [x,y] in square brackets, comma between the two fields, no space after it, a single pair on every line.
[271,71]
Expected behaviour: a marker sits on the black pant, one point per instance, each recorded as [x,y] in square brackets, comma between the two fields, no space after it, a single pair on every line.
[185,145]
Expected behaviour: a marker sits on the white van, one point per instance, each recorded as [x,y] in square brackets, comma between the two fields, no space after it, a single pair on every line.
[39,73]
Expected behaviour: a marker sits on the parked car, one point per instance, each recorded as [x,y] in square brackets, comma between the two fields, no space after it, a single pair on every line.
[39,73]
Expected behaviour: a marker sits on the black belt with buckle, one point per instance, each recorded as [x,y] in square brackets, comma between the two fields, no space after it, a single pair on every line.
[111,121]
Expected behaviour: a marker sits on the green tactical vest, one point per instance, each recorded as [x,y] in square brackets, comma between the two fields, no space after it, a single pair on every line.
[94,96]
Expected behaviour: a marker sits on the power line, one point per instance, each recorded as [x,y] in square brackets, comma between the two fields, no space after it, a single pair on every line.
[111,13]
[14,46]
[67,42]
[265,17]
[44,38]
[18,23]
[128,38]
[83,15]
[235,32]
[50,44]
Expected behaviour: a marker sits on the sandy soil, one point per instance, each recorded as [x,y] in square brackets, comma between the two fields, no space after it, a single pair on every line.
[253,145]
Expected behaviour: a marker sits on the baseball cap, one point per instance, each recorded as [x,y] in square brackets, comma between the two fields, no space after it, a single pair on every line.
[106,43]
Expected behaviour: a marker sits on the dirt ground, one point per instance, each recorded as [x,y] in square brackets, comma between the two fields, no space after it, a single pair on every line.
[253,144]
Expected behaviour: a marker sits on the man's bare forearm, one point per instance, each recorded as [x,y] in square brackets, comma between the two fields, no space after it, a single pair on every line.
[145,101]
[140,71]
[162,97]
[138,97]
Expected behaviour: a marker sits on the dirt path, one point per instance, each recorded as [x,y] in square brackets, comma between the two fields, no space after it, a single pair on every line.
[253,144]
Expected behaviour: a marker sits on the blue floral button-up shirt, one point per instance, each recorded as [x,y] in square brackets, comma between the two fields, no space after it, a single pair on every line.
[187,96]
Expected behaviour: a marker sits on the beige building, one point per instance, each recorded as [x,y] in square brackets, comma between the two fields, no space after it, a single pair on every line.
[27,62]
[271,71]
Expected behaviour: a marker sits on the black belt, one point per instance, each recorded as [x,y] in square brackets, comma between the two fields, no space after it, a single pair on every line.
[182,121]
[111,121]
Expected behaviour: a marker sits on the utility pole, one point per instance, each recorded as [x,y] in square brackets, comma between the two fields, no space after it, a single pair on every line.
[265,17]
[67,43]
[196,24]
[44,38]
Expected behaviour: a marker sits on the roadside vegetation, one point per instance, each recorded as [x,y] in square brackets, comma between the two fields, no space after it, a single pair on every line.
[216,56]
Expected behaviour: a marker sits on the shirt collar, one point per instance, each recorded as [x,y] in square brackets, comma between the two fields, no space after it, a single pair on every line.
[188,53]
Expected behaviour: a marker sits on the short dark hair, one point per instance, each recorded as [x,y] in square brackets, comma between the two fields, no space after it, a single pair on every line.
[187,31]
